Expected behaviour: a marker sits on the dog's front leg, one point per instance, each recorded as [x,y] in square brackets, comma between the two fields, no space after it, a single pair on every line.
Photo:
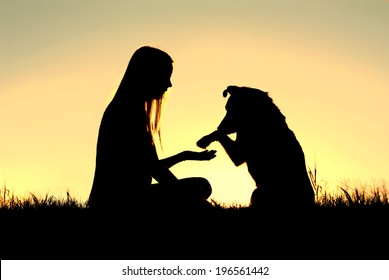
[205,141]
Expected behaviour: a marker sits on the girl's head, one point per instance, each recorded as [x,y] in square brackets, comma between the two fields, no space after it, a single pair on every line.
[146,79]
[148,72]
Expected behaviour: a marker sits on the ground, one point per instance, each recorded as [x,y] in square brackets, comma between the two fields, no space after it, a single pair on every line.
[202,234]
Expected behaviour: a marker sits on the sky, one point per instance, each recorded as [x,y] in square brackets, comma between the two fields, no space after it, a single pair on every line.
[324,63]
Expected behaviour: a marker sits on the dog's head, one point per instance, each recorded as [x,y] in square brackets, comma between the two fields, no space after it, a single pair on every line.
[242,106]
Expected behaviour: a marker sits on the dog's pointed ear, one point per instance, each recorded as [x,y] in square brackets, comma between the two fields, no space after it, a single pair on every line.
[230,90]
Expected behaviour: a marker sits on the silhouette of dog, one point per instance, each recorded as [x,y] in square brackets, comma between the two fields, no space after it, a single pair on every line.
[273,155]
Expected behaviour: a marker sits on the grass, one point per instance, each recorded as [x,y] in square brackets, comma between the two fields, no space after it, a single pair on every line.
[9,201]
[363,197]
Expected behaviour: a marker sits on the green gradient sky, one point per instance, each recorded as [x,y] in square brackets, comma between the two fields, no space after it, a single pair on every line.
[325,64]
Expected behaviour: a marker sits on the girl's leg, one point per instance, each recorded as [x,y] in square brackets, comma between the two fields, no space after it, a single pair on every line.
[195,187]
[192,188]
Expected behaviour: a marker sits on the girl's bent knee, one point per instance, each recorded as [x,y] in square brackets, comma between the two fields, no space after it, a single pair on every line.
[206,188]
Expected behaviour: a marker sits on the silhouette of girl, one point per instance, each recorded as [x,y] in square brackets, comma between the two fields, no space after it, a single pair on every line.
[126,157]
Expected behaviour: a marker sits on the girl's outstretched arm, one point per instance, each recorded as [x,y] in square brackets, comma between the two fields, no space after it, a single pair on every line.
[188,155]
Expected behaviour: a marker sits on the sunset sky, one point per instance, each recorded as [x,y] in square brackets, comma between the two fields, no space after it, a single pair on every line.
[324,63]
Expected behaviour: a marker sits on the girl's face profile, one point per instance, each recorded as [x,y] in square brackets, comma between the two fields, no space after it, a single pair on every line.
[160,83]
[164,82]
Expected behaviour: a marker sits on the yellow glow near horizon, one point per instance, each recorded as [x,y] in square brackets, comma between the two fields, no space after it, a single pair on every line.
[324,65]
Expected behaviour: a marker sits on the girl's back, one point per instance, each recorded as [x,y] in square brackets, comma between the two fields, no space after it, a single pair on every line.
[124,150]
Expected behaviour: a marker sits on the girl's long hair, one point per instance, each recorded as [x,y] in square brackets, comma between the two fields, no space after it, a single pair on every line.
[145,64]
[153,109]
